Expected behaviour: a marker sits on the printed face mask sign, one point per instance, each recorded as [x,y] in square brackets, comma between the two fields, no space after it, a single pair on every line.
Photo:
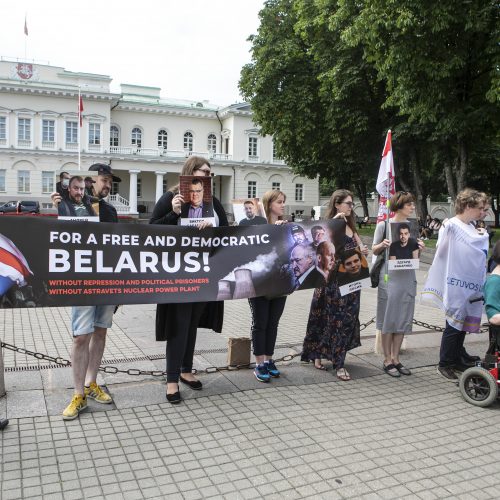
[248,212]
[198,204]
[403,252]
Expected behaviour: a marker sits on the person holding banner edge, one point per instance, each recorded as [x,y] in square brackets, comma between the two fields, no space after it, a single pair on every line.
[267,312]
[396,297]
[89,323]
[178,323]
[333,325]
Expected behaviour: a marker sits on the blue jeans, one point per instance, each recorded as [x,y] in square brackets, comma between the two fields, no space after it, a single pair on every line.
[452,346]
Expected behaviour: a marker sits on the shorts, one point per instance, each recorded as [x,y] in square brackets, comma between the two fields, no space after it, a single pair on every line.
[84,319]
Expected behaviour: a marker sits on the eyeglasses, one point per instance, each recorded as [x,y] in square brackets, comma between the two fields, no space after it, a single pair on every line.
[206,171]
[348,203]
[192,191]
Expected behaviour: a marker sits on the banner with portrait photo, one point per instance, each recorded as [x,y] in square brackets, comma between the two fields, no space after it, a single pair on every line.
[77,263]
[198,205]
[403,252]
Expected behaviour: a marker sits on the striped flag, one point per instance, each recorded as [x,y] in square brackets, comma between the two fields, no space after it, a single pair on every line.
[13,266]
[80,110]
[25,25]
[385,180]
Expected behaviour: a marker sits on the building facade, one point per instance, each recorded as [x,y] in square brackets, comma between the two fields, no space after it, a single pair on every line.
[145,137]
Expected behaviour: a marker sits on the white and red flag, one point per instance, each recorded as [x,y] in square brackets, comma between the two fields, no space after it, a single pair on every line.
[385,180]
[80,110]
[26,25]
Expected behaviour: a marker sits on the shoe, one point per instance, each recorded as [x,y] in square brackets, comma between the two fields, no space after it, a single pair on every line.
[467,362]
[391,370]
[194,384]
[402,369]
[447,372]
[261,373]
[343,374]
[96,393]
[174,398]
[271,368]
[3,423]
[459,367]
[77,405]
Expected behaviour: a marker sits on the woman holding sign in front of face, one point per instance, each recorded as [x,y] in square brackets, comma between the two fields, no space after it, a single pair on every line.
[178,323]
[396,297]
[333,326]
[266,312]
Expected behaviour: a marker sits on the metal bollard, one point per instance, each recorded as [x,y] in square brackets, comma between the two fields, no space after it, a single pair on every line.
[2,381]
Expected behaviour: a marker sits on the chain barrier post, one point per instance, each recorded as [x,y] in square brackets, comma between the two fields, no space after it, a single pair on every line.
[2,381]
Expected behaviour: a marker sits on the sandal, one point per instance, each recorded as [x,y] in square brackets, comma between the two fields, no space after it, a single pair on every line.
[320,367]
[391,370]
[343,374]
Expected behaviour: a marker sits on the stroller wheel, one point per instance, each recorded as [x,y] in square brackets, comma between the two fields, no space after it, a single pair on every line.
[478,386]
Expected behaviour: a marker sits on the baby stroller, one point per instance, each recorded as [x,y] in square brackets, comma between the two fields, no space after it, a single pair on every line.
[479,385]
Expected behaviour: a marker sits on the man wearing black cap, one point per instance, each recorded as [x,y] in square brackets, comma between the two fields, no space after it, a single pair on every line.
[90,323]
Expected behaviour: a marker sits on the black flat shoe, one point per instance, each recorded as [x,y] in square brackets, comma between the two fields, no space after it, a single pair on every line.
[194,384]
[174,398]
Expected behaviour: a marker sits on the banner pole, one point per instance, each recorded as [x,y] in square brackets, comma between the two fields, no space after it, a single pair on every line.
[79,127]
[2,381]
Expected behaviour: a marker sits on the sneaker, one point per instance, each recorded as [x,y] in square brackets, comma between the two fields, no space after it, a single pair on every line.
[271,368]
[78,404]
[96,393]
[447,372]
[261,373]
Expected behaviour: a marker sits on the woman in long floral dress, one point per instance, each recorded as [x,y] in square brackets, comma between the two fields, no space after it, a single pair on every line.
[333,326]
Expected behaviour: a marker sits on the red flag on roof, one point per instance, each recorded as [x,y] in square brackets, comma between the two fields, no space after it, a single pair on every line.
[80,111]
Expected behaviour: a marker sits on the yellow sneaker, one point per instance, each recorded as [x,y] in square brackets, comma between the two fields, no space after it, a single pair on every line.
[97,394]
[78,404]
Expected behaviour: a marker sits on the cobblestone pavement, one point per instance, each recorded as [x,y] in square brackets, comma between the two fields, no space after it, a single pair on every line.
[305,435]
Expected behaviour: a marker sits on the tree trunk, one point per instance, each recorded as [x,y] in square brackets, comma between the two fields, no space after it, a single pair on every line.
[360,188]
[495,208]
[463,162]
[448,173]
[420,196]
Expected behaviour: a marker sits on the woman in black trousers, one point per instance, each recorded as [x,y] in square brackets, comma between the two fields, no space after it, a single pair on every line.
[178,323]
[266,312]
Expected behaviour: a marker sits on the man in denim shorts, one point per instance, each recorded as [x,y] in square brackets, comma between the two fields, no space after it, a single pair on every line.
[89,323]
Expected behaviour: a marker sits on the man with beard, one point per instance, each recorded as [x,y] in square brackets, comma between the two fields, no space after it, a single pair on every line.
[406,247]
[89,323]
[251,218]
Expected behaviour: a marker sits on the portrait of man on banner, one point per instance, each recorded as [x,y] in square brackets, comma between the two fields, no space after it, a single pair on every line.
[404,251]
[248,212]
[353,272]
[198,205]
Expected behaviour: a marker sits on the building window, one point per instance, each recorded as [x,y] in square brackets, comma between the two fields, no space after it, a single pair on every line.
[2,180]
[136,138]
[3,130]
[253,144]
[95,134]
[276,158]
[252,189]
[299,192]
[276,186]
[114,136]
[114,188]
[23,181]
[162,139]
[212,143]
[71,132]
[188,141]
[139,187]
[48,133]
[47,182]
[24,131]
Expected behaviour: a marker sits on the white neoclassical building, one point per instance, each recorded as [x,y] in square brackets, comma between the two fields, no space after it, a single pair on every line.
[144,136]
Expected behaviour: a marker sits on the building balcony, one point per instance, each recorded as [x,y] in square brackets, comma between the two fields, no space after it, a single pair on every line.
[48,144]
[24,143]
[71,146]
[94,148]
[167,153]
[253,159]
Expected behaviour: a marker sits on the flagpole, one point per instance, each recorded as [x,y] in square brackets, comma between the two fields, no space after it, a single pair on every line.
[79,126]
[26,37]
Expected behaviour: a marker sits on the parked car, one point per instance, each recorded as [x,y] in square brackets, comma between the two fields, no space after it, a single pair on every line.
[30,206]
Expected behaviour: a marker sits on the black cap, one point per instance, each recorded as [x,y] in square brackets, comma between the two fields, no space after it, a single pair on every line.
[297,229]
[89,179]
[104,169]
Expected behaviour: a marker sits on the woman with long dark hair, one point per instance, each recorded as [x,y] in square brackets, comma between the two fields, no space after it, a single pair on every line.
[178,323]
[266,312]
[333,326]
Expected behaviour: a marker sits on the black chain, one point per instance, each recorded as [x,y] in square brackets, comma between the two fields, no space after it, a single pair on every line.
[210,369]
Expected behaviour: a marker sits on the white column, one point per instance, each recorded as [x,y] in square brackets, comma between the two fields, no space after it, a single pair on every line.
[132,199]
[159,185]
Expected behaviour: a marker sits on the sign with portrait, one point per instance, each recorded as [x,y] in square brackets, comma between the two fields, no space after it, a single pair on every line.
[198,204]
[403,252]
